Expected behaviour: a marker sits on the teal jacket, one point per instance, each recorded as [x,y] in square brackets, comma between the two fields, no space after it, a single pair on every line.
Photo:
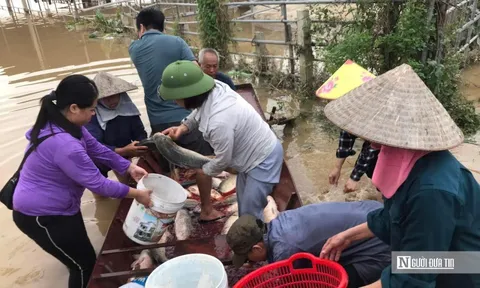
[437,208]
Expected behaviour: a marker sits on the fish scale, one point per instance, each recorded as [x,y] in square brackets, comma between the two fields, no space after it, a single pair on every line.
[175,154]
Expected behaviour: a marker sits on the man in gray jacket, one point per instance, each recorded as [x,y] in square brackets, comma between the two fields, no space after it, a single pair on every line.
[239,136]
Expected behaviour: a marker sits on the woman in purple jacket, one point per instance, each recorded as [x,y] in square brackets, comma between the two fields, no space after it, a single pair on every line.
[47,197]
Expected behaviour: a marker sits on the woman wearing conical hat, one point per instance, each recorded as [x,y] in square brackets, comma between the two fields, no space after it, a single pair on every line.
[117,123]
[431,201]
[348,77]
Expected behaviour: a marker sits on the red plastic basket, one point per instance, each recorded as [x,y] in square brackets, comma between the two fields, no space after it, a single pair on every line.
[323,274]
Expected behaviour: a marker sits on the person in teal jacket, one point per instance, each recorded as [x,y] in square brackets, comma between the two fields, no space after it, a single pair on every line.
[431,201]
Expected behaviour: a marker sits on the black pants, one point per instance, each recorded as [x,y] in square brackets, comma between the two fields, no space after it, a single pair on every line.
[354,280]
[65,238]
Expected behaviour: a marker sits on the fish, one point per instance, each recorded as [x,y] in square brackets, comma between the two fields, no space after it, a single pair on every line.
[232,208]
[194,190]
[228,184]
[159,254]
[216,182]
[214,194]
[144,260]
[190,203]
[224,175]
[177,155]
[229,200]
[228,224]
[271,210]
[190,174]
[197,209]
[148,142]
[183,225]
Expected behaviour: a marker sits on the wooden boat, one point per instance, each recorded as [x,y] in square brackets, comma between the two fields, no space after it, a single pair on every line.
[112,268]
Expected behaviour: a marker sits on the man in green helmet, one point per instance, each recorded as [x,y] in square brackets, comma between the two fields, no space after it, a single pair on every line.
[239,136]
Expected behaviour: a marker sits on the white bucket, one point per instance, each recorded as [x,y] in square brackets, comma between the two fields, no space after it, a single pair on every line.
[190,270]
[146,226]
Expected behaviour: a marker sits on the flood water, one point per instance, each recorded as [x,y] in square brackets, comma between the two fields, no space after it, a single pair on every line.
[36,54]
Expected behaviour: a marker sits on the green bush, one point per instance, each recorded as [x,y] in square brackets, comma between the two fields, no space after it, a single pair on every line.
[214,26]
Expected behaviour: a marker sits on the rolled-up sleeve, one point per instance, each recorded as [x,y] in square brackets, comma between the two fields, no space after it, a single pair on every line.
[103,155]
[74,161]
[378,222]
[190,121]
[345,145]
[221,139]
[429,224]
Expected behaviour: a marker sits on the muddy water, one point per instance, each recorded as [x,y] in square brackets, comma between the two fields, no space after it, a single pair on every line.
[36,55]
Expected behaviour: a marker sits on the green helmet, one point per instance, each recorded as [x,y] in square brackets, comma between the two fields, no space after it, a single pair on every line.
[184,79]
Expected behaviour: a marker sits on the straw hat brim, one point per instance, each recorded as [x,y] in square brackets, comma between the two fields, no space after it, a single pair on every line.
[396,109]
[109,85]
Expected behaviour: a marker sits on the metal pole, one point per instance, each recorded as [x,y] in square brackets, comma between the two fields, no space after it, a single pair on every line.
[40,7]
[311,2]
[47,8]
[288,37]
[69,8]
[254,13]
[55,4]
[25,7]
[9,8]
[75,13]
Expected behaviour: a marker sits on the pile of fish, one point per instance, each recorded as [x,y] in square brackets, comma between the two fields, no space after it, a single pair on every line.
[183,225]
[222,186]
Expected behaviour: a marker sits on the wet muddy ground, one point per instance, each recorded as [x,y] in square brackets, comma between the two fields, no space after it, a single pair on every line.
[36,54]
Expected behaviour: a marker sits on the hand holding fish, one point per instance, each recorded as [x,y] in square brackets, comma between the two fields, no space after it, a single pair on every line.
[176,131]
[136,172]
[131,150]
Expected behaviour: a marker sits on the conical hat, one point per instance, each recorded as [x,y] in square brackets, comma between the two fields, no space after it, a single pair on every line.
[349,76]
[396,109]
[109,85]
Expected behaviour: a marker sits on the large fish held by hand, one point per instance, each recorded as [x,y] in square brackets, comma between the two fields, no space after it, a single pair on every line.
[175,154]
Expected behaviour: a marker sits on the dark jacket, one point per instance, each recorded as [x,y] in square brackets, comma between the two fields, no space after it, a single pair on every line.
[225,79]
[120,132]
[436,209]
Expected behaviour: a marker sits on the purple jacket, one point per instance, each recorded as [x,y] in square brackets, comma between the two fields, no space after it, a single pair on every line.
[55,175]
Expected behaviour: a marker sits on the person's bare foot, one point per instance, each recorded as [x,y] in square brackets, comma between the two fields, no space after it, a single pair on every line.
[206,216]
